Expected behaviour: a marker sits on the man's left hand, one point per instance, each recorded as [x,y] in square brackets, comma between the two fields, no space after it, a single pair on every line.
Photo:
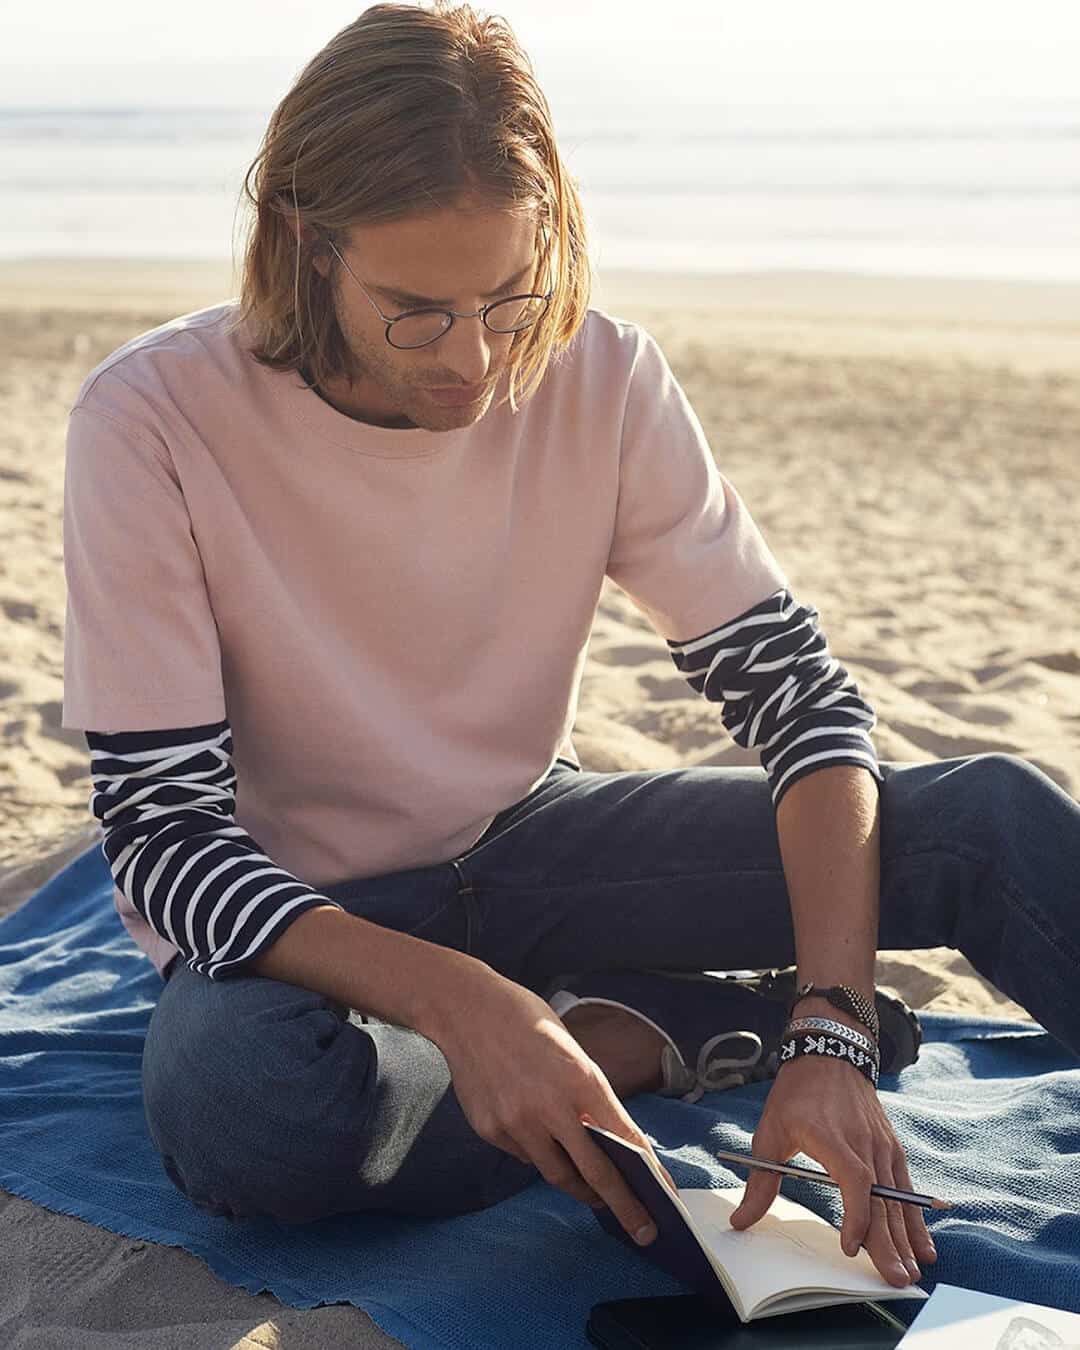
[829,1111]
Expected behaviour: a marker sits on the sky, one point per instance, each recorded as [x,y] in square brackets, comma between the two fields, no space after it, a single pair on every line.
[123,53]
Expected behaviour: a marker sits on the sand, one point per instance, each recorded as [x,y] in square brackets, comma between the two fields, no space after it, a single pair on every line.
[910,449]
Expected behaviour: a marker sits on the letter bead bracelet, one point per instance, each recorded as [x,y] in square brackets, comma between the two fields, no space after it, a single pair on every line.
[832,1047]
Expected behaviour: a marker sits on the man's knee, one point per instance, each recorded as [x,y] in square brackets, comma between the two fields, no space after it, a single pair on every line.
[280,1108]
[1003,786]
[971,799]
[254,1096]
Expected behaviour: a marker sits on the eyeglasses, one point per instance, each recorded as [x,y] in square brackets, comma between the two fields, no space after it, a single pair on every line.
[418,327]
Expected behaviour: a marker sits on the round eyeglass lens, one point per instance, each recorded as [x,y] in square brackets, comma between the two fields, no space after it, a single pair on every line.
[508,316]
[414,330]
[517,312]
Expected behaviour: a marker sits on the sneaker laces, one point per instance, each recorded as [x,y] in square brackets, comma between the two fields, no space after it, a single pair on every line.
[715,1073]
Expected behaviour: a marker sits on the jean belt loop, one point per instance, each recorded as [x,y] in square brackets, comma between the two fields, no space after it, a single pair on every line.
[472,911]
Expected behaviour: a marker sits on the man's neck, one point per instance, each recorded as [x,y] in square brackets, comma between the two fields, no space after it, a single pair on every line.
[394,422]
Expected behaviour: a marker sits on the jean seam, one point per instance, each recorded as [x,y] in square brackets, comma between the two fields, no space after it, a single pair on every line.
[487,838]
[1057,940]
[953,849]
[466,893]
[430,918]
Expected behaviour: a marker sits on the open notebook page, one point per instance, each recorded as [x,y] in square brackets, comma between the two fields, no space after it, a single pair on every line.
[789,1260]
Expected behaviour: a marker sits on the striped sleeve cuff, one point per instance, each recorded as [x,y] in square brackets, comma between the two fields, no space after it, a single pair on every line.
[782,691]
[166,800]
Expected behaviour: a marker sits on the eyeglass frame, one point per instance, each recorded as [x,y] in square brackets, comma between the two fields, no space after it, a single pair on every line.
[480,314]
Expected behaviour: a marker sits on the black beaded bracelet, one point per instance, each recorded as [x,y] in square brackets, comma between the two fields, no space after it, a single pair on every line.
[832,1047]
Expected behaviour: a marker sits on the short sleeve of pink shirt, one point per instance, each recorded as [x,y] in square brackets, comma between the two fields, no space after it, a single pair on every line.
[141,647]
[685,548]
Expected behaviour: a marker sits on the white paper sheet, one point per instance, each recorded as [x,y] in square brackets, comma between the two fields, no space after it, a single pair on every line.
[961,1319]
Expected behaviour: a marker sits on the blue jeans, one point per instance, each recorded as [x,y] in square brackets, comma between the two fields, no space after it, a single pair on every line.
[264,1098]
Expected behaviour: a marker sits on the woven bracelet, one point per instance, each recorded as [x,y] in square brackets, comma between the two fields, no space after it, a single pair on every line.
[834,1028]
[832,1047]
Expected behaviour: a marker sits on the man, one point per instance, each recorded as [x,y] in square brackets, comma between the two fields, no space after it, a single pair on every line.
[331,581]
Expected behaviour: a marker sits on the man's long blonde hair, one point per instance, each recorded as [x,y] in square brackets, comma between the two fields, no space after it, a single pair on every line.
[409,109]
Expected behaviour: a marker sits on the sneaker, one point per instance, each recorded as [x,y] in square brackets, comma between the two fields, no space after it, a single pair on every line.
[684,1008]
[749,1008]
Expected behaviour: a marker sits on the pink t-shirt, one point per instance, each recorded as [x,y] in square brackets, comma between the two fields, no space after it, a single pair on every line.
[394,622]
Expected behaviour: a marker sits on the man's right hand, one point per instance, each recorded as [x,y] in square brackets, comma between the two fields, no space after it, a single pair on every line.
[524,1084]
[523,1081]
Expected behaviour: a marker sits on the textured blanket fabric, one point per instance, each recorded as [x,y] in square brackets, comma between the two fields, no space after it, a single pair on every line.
[990,1116]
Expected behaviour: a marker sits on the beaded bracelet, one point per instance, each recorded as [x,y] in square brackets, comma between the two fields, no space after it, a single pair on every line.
[833,1047]
[845,998]
[817,1043]
[834,1028]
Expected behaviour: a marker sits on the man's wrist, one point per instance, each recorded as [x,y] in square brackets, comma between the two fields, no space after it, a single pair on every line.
[455,981]
[842,1032]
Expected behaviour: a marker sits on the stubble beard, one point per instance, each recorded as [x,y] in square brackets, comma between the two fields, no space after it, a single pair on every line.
[408,395]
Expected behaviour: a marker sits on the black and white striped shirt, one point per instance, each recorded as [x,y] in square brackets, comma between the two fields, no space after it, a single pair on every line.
[167,799]
[781,691]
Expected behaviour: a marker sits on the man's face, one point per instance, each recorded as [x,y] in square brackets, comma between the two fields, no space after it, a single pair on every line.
[456,258]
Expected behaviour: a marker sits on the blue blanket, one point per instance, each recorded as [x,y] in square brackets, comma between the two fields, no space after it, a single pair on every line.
[990,1116]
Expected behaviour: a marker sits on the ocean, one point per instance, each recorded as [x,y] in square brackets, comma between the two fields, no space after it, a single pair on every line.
[991,190]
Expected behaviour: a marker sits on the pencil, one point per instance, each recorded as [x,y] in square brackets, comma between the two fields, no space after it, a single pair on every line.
[809,1174]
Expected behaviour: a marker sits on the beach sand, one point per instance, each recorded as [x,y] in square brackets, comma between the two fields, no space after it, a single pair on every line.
[908,447]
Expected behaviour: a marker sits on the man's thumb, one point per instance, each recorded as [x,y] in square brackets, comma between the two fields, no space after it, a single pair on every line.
[761,1191]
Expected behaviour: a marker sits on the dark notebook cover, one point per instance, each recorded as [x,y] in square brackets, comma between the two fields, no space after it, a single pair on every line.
[675,1249]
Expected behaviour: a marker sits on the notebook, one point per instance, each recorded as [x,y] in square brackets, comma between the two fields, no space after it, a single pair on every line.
[790,1260]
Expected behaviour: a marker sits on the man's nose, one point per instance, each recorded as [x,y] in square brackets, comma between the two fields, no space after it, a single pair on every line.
[466,350]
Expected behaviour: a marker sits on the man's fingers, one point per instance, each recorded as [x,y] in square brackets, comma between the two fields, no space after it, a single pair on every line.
[867,1220]
[508,1145]
[881,1248]
[763,1187]
[918,1233]
[605,1179]
[556,1165]
[899,1245]
[855,1179]
[761,1191]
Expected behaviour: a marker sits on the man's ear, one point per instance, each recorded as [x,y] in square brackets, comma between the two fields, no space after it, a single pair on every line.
[308,233]
[312,236]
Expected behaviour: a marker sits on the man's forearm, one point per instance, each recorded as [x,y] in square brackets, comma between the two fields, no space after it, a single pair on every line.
[829,829]
[394,977]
